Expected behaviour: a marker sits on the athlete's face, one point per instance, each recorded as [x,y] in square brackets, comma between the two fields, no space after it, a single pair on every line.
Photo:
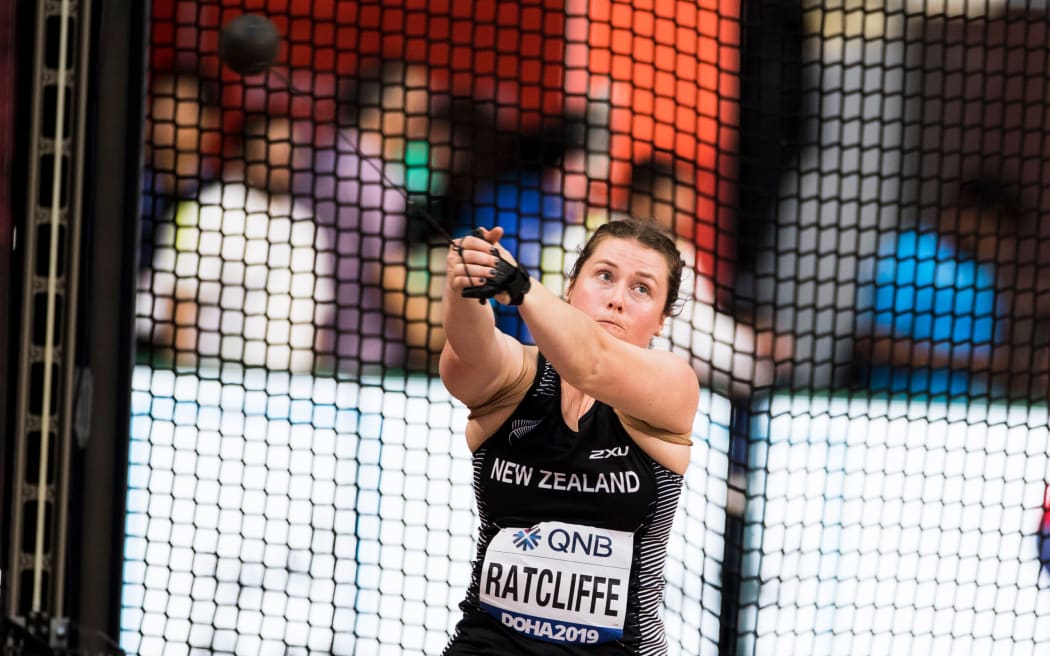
[623,286]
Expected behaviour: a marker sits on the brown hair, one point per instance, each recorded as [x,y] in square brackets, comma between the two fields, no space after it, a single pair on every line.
[650,235]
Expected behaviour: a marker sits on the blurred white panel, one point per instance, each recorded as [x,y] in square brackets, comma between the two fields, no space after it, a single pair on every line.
[899,527]
[274,513]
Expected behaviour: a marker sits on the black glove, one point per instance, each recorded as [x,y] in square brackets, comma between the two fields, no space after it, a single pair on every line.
[508,278]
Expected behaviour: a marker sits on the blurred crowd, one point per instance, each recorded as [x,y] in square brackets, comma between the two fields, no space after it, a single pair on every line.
[309,236]
[316,244]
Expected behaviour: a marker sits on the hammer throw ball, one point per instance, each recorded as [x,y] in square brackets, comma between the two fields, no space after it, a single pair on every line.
[249,44]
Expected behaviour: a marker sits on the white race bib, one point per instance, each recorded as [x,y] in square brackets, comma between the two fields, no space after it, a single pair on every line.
[559,582]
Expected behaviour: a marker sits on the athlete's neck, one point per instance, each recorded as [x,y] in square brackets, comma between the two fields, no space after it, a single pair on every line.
[574,404]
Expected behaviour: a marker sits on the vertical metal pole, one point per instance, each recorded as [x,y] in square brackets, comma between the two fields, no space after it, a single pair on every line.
[771,50]
[10,61]
[111,244]
[736,503]
[748,432]
[35,584]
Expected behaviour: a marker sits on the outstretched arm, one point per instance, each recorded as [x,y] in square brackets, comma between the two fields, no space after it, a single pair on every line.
[477,360]
[656,387]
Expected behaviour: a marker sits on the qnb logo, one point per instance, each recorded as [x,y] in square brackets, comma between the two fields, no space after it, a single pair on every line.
[527,538]
[576,542]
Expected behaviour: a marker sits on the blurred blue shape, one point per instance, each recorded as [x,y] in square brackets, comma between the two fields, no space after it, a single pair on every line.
[923,289]
[518,203]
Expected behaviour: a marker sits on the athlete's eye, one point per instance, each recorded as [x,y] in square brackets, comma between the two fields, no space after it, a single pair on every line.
[605,274]
[643,289]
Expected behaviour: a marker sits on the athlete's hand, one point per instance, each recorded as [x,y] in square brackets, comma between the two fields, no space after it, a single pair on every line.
[474,264]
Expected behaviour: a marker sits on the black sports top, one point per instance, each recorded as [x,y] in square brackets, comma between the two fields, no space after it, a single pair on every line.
[573,534]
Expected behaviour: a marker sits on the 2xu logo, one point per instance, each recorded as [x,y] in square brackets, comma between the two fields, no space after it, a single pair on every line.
[615,452]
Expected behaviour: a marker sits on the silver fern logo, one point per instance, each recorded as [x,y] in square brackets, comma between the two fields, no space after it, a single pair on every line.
[519,428]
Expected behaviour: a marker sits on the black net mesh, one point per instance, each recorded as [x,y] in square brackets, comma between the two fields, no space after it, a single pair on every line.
[858,192]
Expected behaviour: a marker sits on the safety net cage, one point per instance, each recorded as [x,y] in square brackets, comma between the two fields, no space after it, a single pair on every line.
[857,189]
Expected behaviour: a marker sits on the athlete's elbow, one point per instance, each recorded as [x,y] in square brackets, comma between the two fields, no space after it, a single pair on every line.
[450,365]
[684,425]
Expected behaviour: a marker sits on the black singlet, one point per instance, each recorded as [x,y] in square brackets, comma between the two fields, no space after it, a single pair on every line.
[573,535]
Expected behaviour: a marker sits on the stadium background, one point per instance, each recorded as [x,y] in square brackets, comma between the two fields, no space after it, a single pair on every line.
[234,443]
